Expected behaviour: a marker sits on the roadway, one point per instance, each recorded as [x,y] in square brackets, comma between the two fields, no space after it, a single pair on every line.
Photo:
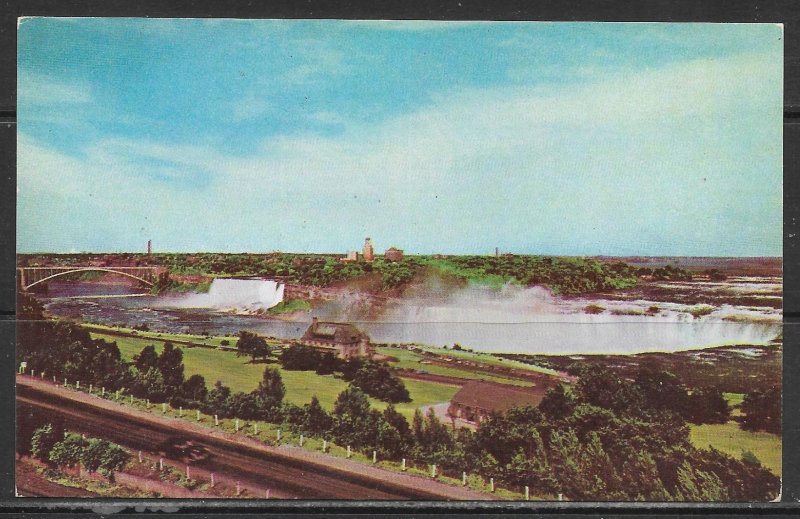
[286,474]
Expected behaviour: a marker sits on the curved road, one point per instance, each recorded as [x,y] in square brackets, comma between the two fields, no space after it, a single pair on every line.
[287,475]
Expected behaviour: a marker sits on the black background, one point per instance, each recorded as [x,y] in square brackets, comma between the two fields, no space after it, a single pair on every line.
[745,11]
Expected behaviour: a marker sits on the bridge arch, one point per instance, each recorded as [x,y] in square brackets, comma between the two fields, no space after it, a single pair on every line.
[89,269]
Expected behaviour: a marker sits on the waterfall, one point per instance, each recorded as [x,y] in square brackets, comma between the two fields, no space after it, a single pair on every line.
[244,295]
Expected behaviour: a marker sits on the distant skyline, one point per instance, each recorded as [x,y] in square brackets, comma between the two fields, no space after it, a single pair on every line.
[434,137]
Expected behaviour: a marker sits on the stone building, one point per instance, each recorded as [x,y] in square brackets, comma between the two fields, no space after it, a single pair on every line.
[477,399]
[343,339]
[369,251]
[393,254]
[352,256]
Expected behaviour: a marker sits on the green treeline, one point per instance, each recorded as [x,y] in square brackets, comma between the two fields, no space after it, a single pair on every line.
[562,275]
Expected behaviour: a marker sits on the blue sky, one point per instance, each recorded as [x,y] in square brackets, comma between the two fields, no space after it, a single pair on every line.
[307,136]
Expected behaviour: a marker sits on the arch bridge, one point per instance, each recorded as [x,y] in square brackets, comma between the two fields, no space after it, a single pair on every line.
[28,277]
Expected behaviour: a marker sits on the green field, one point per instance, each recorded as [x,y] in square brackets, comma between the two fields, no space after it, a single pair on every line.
[240,375]
[730,439]
[207,340]
[410,360]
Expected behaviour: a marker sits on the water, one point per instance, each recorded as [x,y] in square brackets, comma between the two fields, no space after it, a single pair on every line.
[512,320]
[232,295]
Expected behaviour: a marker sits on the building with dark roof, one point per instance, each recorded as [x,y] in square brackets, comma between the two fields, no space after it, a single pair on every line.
[477,399]
[343,339]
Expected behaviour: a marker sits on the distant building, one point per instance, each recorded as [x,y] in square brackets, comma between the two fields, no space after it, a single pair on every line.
[351,256]
[477,399]
[369,252]
[149,247]
[393,254]
[343,339]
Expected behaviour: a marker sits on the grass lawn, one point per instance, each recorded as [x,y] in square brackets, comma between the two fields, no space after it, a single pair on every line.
[410,360]
[730,439]
[240,375]
[164,336]
[734,401]
[488,358]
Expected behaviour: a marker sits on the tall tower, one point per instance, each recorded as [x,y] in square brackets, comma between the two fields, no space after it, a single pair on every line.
[149,247]
[369,252]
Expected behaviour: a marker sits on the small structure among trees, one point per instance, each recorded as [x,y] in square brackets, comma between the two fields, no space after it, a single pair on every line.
[343,339]
[478,399]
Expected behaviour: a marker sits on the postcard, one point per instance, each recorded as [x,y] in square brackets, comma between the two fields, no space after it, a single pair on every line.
[399,260]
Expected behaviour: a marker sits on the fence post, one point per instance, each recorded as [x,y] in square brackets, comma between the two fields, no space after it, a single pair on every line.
[212,480]
[148,402]
[301,439]
[187,473]
[54,379]
[238,488]
[433,470]
[560,496]
[403,465]
[140,456]
[463,479]
[527,493]
[90,388]
[324,445]
[198,415]
[237,425]
[279,435]
[65,382]
[491,484]
[103,391]
[160,463]
[163,408]
[216,420]
[349,452]
[255,428]
[266,494]
[374,456]
[77,384]
[180,411]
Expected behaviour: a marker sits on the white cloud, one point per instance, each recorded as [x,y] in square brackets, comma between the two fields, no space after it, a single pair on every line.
[38,89]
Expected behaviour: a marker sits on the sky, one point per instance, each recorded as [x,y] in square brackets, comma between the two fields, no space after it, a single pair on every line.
[434,137]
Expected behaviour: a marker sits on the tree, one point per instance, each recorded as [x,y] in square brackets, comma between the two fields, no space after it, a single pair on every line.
[113,460]
[252,345]
[762,410]
[195,388]
[557,404]
[327,364]
[91,455]
[170,364]
[707,405]
[271,388]
[298,357]
[351,418]
[146,359]
[599,386]
[69,451]
[378,381]
[216,399]
[316,421]
[43,440]
[662,390]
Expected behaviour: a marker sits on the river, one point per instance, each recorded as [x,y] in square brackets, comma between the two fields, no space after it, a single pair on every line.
[659,317]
